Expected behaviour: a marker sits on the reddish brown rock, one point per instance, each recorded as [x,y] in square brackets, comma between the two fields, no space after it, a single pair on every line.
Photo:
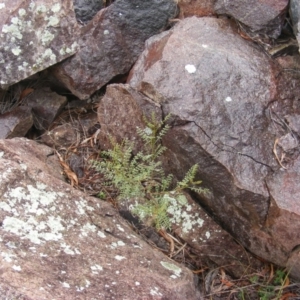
[224,104]
[199,8]
[15,123]
[45,105]
[265,17]
[120,112]
[57,242]
[111,43]
[34,35]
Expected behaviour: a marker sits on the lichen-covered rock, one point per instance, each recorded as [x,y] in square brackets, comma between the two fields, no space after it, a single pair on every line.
[227,103]
[34,35]
[265,17]
[111,44]
[57,242]
[85,10]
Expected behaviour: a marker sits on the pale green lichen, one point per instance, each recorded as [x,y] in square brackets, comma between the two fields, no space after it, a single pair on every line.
[16,51]
[169,266]
[22,12]
[56,7]
[47,37]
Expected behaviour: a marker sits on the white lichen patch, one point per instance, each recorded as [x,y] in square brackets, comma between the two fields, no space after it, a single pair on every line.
[52,21]
[155,292]
[190,69]
[56,7]
[207,234]
[181,213]
[87,228]
[16,51]
[169,266]
[17,268]
[2,5]
[96,268]
[65,285]
[101,234]
[120,227]
[47,37]
[228,99]
[22,12]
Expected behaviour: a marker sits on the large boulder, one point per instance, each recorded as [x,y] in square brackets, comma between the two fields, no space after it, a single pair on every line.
[263,17]
[34,35]
[227,101]
[112,42]
[56,242]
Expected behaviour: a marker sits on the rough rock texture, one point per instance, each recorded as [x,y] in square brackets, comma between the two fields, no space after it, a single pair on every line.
[261,16]
[225,104]
[295,16]
[85,10]
[15,123]
[46,105]
[58,243]
[198,8]
[120,112]
[110,44]
[34,35]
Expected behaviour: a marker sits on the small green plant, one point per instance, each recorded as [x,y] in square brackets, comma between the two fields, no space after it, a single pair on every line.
[141,177]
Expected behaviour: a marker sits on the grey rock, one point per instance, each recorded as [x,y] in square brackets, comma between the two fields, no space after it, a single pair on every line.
[111,44]
[295,16]
[85,10]
[264,17]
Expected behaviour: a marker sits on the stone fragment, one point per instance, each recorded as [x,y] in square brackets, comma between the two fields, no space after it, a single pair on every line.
[265,17]
[34,35]
[225,103]
[199,8]
[85,10]
[15,123]
[59,243]
[295,16]
[46,105]
[110,44]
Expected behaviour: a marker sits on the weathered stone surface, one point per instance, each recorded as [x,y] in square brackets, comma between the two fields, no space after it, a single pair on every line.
[225,102]
[85,10]
[198,8]
[34,35]
[71,131]
[46,105]
[295,16]
[57,242]
[120,112]
[261,16]
[15,123]
[112,42]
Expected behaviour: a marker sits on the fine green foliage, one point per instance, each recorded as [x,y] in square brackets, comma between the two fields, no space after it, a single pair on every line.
[141,177]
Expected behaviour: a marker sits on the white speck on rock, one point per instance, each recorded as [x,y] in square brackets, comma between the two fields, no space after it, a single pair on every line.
[106,31]
[169,266]
[16,51]
[228,99]
[204,46]
[22,12]
[190,68]
[2,5]
[137,283]
[96,268]
[119,257]
[66,285]
[17,268]
[101,234]
[207,234]
[155,292]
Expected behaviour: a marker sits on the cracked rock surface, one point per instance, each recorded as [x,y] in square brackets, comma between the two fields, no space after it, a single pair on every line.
[220,99]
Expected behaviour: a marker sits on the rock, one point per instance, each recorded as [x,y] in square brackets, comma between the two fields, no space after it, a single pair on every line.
[85,10]
[295,16]
[224,101]
[110,44]
[34,35]
[15,123]
[199,8]
[46,106]
[56,242]
[120,112]
[264,17]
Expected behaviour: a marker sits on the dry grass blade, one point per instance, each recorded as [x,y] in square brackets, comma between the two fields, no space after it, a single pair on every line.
[167,237]
[276,155]
[69,173]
